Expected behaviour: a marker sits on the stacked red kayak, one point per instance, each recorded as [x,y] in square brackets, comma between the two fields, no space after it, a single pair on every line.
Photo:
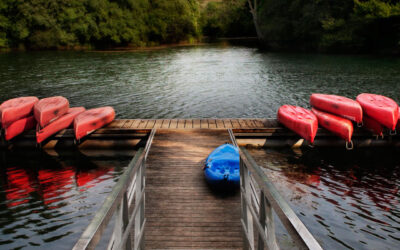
[16,116]
[61,123]
[50,109]
[335,112]
[92,119]
[300,120]
[380,108]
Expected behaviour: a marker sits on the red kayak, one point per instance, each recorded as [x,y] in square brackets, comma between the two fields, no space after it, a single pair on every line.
[15,109]
[92,119]
[49,109]
[373,126]
[19,127]
[380,108]
[336,124]
[338,105]
[300,120]
[61,123]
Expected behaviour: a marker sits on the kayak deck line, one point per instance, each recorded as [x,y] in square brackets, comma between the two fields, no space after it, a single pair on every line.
[255,132]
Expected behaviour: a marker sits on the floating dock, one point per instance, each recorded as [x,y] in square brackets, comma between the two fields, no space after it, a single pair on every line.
[128,133]
[182,211]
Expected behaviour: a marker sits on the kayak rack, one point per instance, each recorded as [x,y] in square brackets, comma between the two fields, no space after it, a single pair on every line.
[259,198]
[126,204]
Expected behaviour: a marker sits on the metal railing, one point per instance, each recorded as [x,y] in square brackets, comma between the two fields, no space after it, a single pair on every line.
[259,198]
[126,204]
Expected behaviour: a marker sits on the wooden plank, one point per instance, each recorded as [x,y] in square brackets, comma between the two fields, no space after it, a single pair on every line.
[227,123]
[196,123]
[235,123]
[127,124]
[181,123]
[166,123]
[142,124]
[204,123]
[135,123]
[189,123]
[174,123]
[158,123]
[150,124]
[258,123]
[243,123]
[212,123]
[220,123]
[250,123]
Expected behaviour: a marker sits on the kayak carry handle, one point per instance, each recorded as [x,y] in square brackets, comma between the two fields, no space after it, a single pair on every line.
[349,145]
[393,132]
[360,124]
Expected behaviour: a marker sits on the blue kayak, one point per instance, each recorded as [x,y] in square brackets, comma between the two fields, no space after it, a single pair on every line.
[222,166]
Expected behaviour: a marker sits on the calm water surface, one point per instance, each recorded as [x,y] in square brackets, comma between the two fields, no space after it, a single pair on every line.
[347,199]
[47,201]
[198,82]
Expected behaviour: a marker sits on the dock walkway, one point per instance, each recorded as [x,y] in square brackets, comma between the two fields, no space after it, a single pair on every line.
[182,211]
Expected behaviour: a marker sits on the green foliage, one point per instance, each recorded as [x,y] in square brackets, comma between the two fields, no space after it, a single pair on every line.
[229,18]
[345,25]
[47,24]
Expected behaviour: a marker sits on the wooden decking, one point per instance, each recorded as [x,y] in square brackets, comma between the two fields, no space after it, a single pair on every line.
[194,123]
[182,212]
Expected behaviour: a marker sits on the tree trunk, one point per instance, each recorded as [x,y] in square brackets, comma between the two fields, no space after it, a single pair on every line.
[253,11]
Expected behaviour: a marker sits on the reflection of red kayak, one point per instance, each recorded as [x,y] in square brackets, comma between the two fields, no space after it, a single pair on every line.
[15,109]
[19,187]
[373,126]
[54,183]
[300,120]
[338,105]
[86,178]
[19,127]
[92,119]
[49,109]
[61,123]
[337,125]
[381,108]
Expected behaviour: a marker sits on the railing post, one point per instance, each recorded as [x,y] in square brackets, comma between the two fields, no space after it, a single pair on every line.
[247,219]
[121,222]
[139,217]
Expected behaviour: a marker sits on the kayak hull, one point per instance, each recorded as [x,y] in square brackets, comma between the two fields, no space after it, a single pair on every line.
[338,105]
[61,123]
[18,127]
[222,167]
[300,120]
[15,109]
[335,124]
[49,109]
[375,127]
[380,108]
[92,119]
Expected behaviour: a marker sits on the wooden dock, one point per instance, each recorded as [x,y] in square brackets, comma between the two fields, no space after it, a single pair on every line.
[245,123]
[182,211]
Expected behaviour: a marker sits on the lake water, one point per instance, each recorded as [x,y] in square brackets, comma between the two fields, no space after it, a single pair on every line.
[212,81]
[347,199]
[48,200]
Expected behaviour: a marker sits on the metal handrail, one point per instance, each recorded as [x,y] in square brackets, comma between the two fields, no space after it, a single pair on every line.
[259,211]
[125,203]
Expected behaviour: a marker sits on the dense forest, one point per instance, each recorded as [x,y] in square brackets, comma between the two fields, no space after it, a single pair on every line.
[308,25]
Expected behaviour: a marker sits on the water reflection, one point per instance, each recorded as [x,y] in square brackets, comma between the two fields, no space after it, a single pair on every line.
[348,199]
[47,201]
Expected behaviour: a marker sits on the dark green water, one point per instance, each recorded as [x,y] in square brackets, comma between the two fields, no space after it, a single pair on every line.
[196,82]
[347,199]
[47,200]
